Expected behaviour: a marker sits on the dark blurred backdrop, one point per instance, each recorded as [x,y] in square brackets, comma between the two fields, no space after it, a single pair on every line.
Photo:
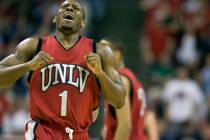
[167,46]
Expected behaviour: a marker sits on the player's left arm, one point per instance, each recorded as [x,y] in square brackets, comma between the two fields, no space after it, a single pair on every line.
[151,125]
[123,115]
[101,64]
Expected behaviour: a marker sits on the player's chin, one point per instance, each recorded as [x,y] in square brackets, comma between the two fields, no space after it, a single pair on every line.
[67,27]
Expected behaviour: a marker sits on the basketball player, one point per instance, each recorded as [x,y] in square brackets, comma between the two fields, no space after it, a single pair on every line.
[65,68]
[126,123]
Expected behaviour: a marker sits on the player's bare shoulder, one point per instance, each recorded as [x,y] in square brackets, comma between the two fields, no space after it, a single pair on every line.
[23,53]
[26,49]
[105,53]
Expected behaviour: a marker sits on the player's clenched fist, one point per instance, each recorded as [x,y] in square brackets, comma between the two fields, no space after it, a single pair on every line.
[94,63]
[40,60]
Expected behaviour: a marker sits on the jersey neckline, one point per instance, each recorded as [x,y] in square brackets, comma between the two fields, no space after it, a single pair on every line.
[60,44]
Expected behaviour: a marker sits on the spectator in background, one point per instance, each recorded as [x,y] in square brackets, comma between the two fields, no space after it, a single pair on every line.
[205,76]
[157,31]
[205,41]
[157,43]
[163,69]
[14,120]
[187,52]
[183,99]
[182,25]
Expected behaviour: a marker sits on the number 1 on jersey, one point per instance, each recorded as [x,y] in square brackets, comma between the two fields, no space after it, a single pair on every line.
[64,99]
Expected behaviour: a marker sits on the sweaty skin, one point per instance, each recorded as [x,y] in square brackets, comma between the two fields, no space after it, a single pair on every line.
[124,115]
[151,125]
[67,32]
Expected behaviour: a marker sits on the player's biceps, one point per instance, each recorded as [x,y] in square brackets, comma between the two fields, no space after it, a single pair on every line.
[22,55]
[10,61]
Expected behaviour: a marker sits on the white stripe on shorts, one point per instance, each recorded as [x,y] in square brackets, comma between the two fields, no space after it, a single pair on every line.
[29,134]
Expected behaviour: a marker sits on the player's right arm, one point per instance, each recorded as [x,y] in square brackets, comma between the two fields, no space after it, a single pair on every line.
[124,115]
[18,63]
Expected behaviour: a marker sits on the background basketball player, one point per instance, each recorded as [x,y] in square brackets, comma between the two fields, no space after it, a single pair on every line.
[128,122]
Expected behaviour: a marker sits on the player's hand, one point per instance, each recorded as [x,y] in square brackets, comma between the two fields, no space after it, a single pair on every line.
[40,60]
[94,63]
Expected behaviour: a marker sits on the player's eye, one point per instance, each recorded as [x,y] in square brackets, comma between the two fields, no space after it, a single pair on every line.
[76,8]
[64,6]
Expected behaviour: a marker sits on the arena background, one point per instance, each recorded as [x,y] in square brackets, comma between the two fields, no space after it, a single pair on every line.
[167,46]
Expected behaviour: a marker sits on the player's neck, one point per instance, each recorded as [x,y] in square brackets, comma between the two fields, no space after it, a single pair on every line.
[67,40]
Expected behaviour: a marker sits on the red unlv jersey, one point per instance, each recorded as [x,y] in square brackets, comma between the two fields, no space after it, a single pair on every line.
[138,108]
[65,92]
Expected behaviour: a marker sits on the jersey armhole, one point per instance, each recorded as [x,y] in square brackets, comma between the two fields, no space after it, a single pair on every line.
[94,46]
[38,49]
[94,49]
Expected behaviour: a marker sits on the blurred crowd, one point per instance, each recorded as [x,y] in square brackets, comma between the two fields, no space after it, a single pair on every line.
[175,56]
[175,48]
[19,20]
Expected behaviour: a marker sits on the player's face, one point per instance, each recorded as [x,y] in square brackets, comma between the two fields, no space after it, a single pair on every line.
[69,18]
[117,56]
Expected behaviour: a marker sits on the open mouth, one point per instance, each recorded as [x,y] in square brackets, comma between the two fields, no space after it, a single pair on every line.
[68,17]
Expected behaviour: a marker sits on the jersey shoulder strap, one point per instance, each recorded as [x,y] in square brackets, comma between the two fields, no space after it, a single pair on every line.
[38,49]
[94,46]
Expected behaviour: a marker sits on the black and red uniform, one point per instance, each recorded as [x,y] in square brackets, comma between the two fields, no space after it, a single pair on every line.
[63,94]
[138,108]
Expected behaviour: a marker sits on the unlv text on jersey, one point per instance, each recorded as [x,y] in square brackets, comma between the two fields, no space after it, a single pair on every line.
[54,74]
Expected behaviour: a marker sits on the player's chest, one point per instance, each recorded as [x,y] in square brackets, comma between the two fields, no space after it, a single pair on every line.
[63,74]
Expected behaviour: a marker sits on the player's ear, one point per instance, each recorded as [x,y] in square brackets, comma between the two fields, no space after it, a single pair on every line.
[83,24]
[117,54]
[54,19]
